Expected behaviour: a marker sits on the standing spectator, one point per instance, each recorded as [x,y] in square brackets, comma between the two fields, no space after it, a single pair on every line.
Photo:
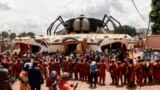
[64,84]
[86,70]
[112,71]
[53,78]
[139,72]
[102,72]
[35,77]
[118,73]
[93,73]
[70,68]
[4,80]
[18,67]
[131,73]
[23,77]
[50,68]
[76,69]
[150,72]
[81,71]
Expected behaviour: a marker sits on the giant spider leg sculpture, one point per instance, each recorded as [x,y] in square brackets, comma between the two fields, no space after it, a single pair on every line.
[93,24]
[52,24]
[111,19]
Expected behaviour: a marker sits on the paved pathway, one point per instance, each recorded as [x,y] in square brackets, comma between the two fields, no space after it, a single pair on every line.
[85,86]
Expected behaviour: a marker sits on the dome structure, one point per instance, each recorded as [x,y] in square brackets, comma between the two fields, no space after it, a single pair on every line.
[81,24]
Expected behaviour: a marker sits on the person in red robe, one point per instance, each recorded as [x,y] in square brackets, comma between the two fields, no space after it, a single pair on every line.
[98,73]
[102,72]
[145,72]
[86,70]
[112,71]
[107,63]
[155,73]
[57,67]
[65,66]
[14,68]
[150,72]
[119,73]
[64,85]
[139,72]
[124,72]
[70,68]
[18,68]
[81,70]
[158,72]
[50,66]
[45,68]
[40,65]
[76,70]
[131,70]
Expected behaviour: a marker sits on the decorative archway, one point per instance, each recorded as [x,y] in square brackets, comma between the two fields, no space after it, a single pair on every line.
[71,39]
[115,45]
[70,44]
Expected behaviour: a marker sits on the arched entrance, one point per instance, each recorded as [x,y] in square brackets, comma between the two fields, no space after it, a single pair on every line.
[27,48]
[70,45]
[114,47]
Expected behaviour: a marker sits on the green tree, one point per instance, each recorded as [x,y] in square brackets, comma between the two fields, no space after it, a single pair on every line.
[127,29]
[12,36]
[31,34]
[5,34]
[23,34]
[155,16]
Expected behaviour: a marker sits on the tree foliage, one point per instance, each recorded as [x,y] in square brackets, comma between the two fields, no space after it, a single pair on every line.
[12,36]
[24,34]
[127,29]
[155,16]
[31,34]
[5,34]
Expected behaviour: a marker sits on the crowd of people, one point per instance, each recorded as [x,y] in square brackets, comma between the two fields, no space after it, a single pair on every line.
[91,67]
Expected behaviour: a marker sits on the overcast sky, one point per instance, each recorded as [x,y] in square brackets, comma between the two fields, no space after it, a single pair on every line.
[36,15]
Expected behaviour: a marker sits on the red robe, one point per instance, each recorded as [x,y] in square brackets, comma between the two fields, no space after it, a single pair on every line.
[14,69]
[18,69]
[76,70]
[98,67]
[158,72]
[139,73]
[155,76]
[112,70]
[45,69]
[70,66]
[81,70]
[102,70]
[57,68]
[50,67]
[132,73]
[124,68]
[40,67]
[118,70]
[107,64]
[150,69]
[86,70]
[64,66]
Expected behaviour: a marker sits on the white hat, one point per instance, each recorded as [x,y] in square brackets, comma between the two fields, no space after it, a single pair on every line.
[53,74]
[93,63]
[65,75]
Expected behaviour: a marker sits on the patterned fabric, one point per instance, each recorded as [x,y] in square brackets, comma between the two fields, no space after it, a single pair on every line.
[23,77]
[93,68]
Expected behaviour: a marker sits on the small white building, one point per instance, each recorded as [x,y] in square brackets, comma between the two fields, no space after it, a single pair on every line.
[71,42]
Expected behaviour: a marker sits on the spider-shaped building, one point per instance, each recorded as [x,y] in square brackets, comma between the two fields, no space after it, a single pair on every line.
[79,34]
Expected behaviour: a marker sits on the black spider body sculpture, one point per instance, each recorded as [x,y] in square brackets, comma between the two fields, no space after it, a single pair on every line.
[84,25]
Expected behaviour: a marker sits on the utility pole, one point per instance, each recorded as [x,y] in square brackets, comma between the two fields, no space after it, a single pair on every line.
[2,41]
[9,42]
